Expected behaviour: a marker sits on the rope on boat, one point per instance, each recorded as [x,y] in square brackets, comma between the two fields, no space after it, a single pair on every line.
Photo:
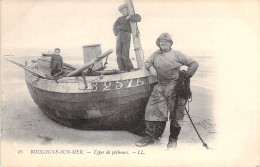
[34,83]
[97,79]
[105,63]
[93,80]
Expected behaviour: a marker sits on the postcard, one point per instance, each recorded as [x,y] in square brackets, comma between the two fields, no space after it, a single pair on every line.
[130,83]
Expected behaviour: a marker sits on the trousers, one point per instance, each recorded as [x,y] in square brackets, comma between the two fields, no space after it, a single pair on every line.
[55,71]
[162,102]
[155,129]
[122,51]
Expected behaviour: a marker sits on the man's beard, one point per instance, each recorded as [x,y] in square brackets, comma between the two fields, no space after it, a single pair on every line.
[165,50]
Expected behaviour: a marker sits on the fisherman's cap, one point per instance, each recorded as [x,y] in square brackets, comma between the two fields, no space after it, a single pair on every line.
[57,48]
[164,36]
[121,7]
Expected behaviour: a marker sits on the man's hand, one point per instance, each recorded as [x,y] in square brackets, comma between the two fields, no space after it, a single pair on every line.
[186,74]
[128,17]
[153,71]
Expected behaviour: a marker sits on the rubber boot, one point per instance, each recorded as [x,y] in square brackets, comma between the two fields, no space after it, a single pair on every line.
[159,129]
[149,134]
[175,131]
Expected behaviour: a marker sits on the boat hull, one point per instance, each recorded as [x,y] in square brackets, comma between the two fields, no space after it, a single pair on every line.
[104,107]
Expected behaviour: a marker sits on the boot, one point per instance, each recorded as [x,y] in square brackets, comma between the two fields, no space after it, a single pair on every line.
[144,142]
[175,131]
[159,129]
[172,143]
[149,134]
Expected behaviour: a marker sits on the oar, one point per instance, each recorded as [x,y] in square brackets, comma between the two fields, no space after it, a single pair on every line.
[36,72]
[89,64]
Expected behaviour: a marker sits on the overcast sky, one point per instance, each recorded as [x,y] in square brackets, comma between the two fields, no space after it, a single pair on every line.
[197,27]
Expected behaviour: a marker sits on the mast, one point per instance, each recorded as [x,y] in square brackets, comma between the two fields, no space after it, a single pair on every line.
[136,37]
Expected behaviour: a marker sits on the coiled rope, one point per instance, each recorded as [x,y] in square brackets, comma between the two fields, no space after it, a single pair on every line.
[183,91]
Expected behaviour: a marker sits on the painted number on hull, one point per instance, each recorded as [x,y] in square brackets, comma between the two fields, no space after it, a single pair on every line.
[107,85]
[115,85]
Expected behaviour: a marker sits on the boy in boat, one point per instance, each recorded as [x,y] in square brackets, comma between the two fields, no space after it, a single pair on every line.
[56,63]
[122,30]
[34,64]
[165,64]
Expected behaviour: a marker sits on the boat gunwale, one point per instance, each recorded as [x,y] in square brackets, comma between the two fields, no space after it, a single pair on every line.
[105,78]
[72,84]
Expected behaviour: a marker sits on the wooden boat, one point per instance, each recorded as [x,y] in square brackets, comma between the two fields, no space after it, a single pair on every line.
[114,101]
[111,102]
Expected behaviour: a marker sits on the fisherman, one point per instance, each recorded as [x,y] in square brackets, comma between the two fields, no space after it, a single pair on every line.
[34,64]
[122,30]
[165,64]
[56,63]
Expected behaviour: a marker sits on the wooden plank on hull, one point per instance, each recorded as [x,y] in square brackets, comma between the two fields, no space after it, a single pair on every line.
[78,85]
[114,77]
[85,101]
[94,96]
[122,110]
[124,119]
[125,105]
[95,104]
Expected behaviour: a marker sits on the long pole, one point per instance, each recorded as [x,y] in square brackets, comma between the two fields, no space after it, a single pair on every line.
[36,72]
[89,64]
[136,36]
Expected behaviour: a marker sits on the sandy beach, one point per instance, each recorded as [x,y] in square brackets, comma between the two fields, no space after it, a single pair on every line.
[24,125]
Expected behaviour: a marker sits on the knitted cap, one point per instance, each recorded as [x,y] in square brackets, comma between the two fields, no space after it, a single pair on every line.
[164,36]
[121,7]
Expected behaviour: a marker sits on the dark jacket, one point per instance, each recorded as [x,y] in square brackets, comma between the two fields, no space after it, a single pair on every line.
[56,62]
[122,24]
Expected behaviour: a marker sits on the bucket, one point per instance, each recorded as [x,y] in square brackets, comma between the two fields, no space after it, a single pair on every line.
[90,52]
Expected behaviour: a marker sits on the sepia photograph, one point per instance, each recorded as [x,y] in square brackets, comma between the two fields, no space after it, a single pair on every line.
[130,83]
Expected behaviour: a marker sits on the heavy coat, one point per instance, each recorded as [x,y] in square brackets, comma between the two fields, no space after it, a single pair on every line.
[162,99]
[123,25]
[56,64]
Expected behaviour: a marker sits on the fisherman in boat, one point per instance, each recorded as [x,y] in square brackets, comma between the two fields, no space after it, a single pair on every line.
[165,64]
[34,64]
[122,30]
[56,63]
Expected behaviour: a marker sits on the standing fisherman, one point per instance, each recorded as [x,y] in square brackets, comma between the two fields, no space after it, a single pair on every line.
[165,64]
[122,30]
